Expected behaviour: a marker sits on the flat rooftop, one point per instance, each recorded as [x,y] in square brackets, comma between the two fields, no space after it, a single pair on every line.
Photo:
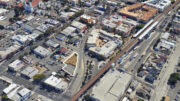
[112,86]
[94,35]
[160,4]
[139,11]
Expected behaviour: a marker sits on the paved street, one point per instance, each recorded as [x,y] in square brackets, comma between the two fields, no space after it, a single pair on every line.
[162,87]
[173,93]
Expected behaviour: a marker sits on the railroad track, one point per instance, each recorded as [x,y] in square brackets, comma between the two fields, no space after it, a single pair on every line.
[124,50]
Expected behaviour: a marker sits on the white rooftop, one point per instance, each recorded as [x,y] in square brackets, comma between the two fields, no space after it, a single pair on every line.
[30,72]
[15,91]
[78,25]
[30,17]
[68,31]
[4,53]
[9,88]
[24,91]
[16,65]
[165,35]
[159,4]
[52,43]
[109,23]
[124,28]
[41,50]
[56,82]
[85,16]
[102,32]
[20,38]
[112,86]
[51,21]
[105,50]
[94,35]
[33,36]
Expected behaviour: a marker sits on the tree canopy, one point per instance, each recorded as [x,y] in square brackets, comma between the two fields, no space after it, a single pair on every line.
[173,78]
[39,77]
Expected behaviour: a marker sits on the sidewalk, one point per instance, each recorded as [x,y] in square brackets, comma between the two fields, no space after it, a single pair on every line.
[162,87]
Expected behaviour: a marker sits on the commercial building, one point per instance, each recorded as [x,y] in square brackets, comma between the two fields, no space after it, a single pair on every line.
[165,36]
[109,25]
[161,5]
[106,50]
[56,83]
[165,44]
[97,11]
[87,19]
[176,23]
[29,72]
[43,27]
[16,65]
[139,12]
[52,44]
[69,69]
[92,39]
[66,15]
[41,51]
[108,36]
[22,39]
[176,20]
[29,18]
[16,92]
[33,36]
[118,25]
[111,86]
[123,30]
[12,49]
[52,22]
[68,31]
[122,19]
[61,37]
[79,26]
[28,28]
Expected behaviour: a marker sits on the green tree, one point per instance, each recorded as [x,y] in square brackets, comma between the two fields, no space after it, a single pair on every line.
[163,98]
[115,9]
[140,26]
[49,31]
[5,98]
[140,100]
[97,2]
[80,3]
[173,78]
[77,14]
[18,11]
[40,37]
[67,8]
[21,57]
[38,77]
[87,97]
[33,47]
